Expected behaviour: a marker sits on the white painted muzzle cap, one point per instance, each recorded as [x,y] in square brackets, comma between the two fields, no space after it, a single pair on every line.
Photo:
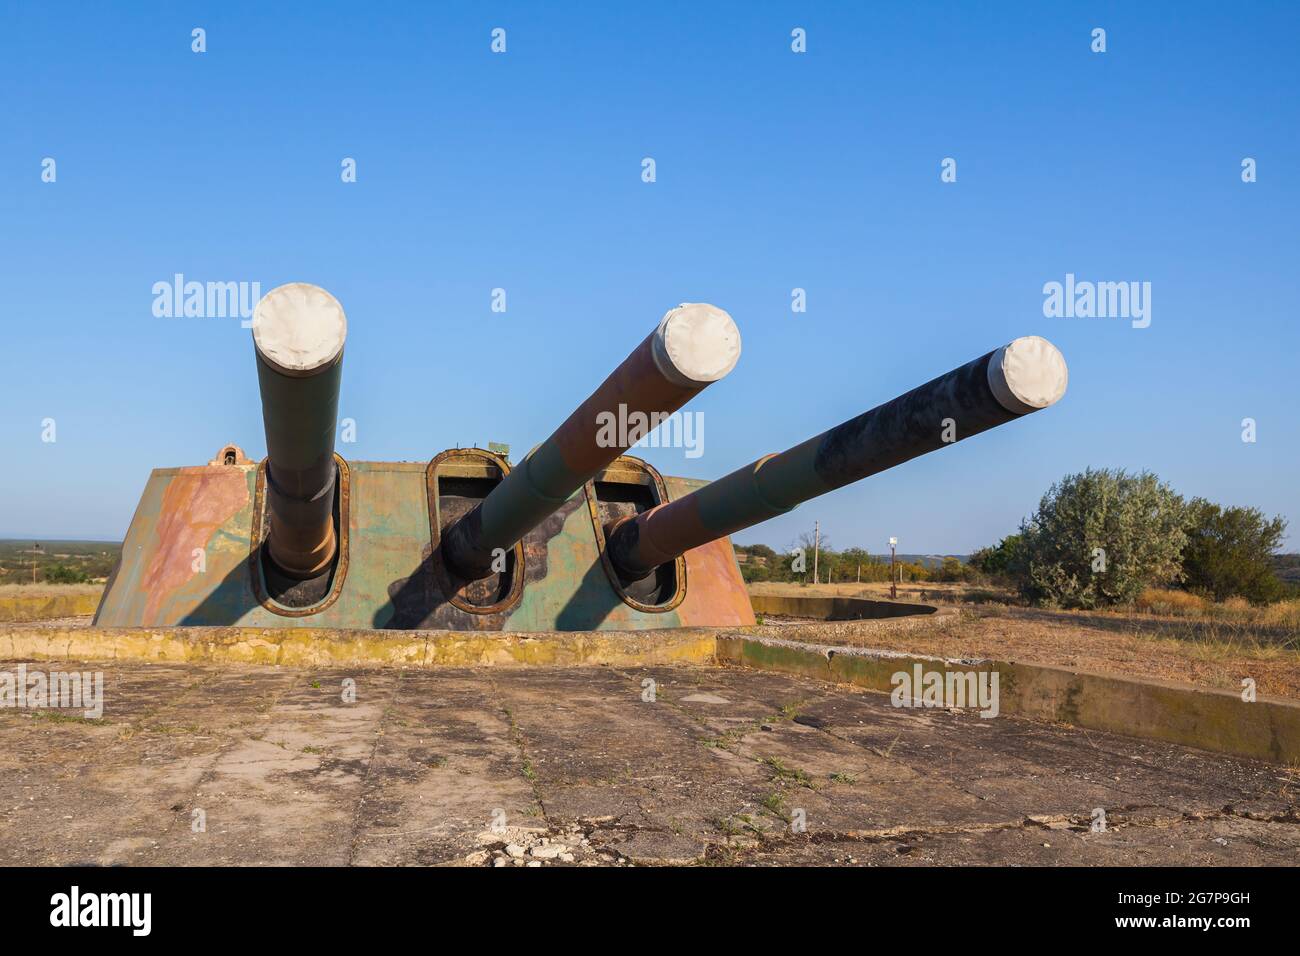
[1028,374]
[299,329]
[695,344]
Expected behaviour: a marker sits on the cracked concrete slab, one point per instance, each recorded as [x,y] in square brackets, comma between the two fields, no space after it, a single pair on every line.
[667,764]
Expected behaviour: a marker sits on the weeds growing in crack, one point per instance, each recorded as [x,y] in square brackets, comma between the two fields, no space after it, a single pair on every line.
[733,826]
[719,854]
[727,738]
[782,772]
[775,803]
[53,717]
[526,764]
[726,826]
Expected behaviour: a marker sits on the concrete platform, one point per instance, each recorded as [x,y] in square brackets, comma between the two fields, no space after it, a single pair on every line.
[1178,713]
[565,765]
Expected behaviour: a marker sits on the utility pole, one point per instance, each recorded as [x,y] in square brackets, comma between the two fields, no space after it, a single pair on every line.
[893,591]
[35,547]
[817,545]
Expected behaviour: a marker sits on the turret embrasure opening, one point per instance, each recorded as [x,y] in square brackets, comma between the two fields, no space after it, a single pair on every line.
[296,595]
[299,593]
[625,489]
[456,482]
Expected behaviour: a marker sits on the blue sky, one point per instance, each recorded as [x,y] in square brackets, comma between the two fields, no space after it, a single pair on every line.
[775,170]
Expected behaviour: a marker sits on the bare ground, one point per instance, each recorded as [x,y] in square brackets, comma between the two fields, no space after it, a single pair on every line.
[572,766]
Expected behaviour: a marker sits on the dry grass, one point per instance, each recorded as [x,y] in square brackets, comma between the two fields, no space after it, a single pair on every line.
[1167,634]
[1282,614]
[1165,601]
[1220,655]
[44,590]
[1162,601]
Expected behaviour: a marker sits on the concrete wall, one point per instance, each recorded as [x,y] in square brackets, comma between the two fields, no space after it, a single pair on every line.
[304,647]
[833,608]
[1217,720]
[45,604]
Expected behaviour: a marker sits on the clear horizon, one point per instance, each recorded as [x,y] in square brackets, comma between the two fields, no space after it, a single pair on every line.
[774,171]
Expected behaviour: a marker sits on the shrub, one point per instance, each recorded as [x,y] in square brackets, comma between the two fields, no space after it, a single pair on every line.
[1099,538]
[62,574]
[1229,552]
[951,570]
[1004,561]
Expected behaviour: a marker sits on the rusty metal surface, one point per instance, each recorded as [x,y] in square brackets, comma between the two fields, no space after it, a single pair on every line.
[559,467]
[889,434]
[185,561]
[298,335]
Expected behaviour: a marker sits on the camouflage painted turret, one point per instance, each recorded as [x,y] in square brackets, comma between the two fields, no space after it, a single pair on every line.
[577,536]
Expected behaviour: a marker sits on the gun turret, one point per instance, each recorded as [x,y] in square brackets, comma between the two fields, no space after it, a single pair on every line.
[694,345]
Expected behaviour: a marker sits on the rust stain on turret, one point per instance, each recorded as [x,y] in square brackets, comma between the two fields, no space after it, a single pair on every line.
[195,503]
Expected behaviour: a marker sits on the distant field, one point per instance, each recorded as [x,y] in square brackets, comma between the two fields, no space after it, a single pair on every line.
[70,559]
[1287,568]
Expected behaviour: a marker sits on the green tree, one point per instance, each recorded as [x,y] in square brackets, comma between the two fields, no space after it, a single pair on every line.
[853,559]
[62,574]
[950,570]
[1100,538]
[914,572]
[1229,552]
[830,567]
[1004,561]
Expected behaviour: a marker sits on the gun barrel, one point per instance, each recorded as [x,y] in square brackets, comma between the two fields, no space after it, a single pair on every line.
[1005,384]
[298,335]
[693,346]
